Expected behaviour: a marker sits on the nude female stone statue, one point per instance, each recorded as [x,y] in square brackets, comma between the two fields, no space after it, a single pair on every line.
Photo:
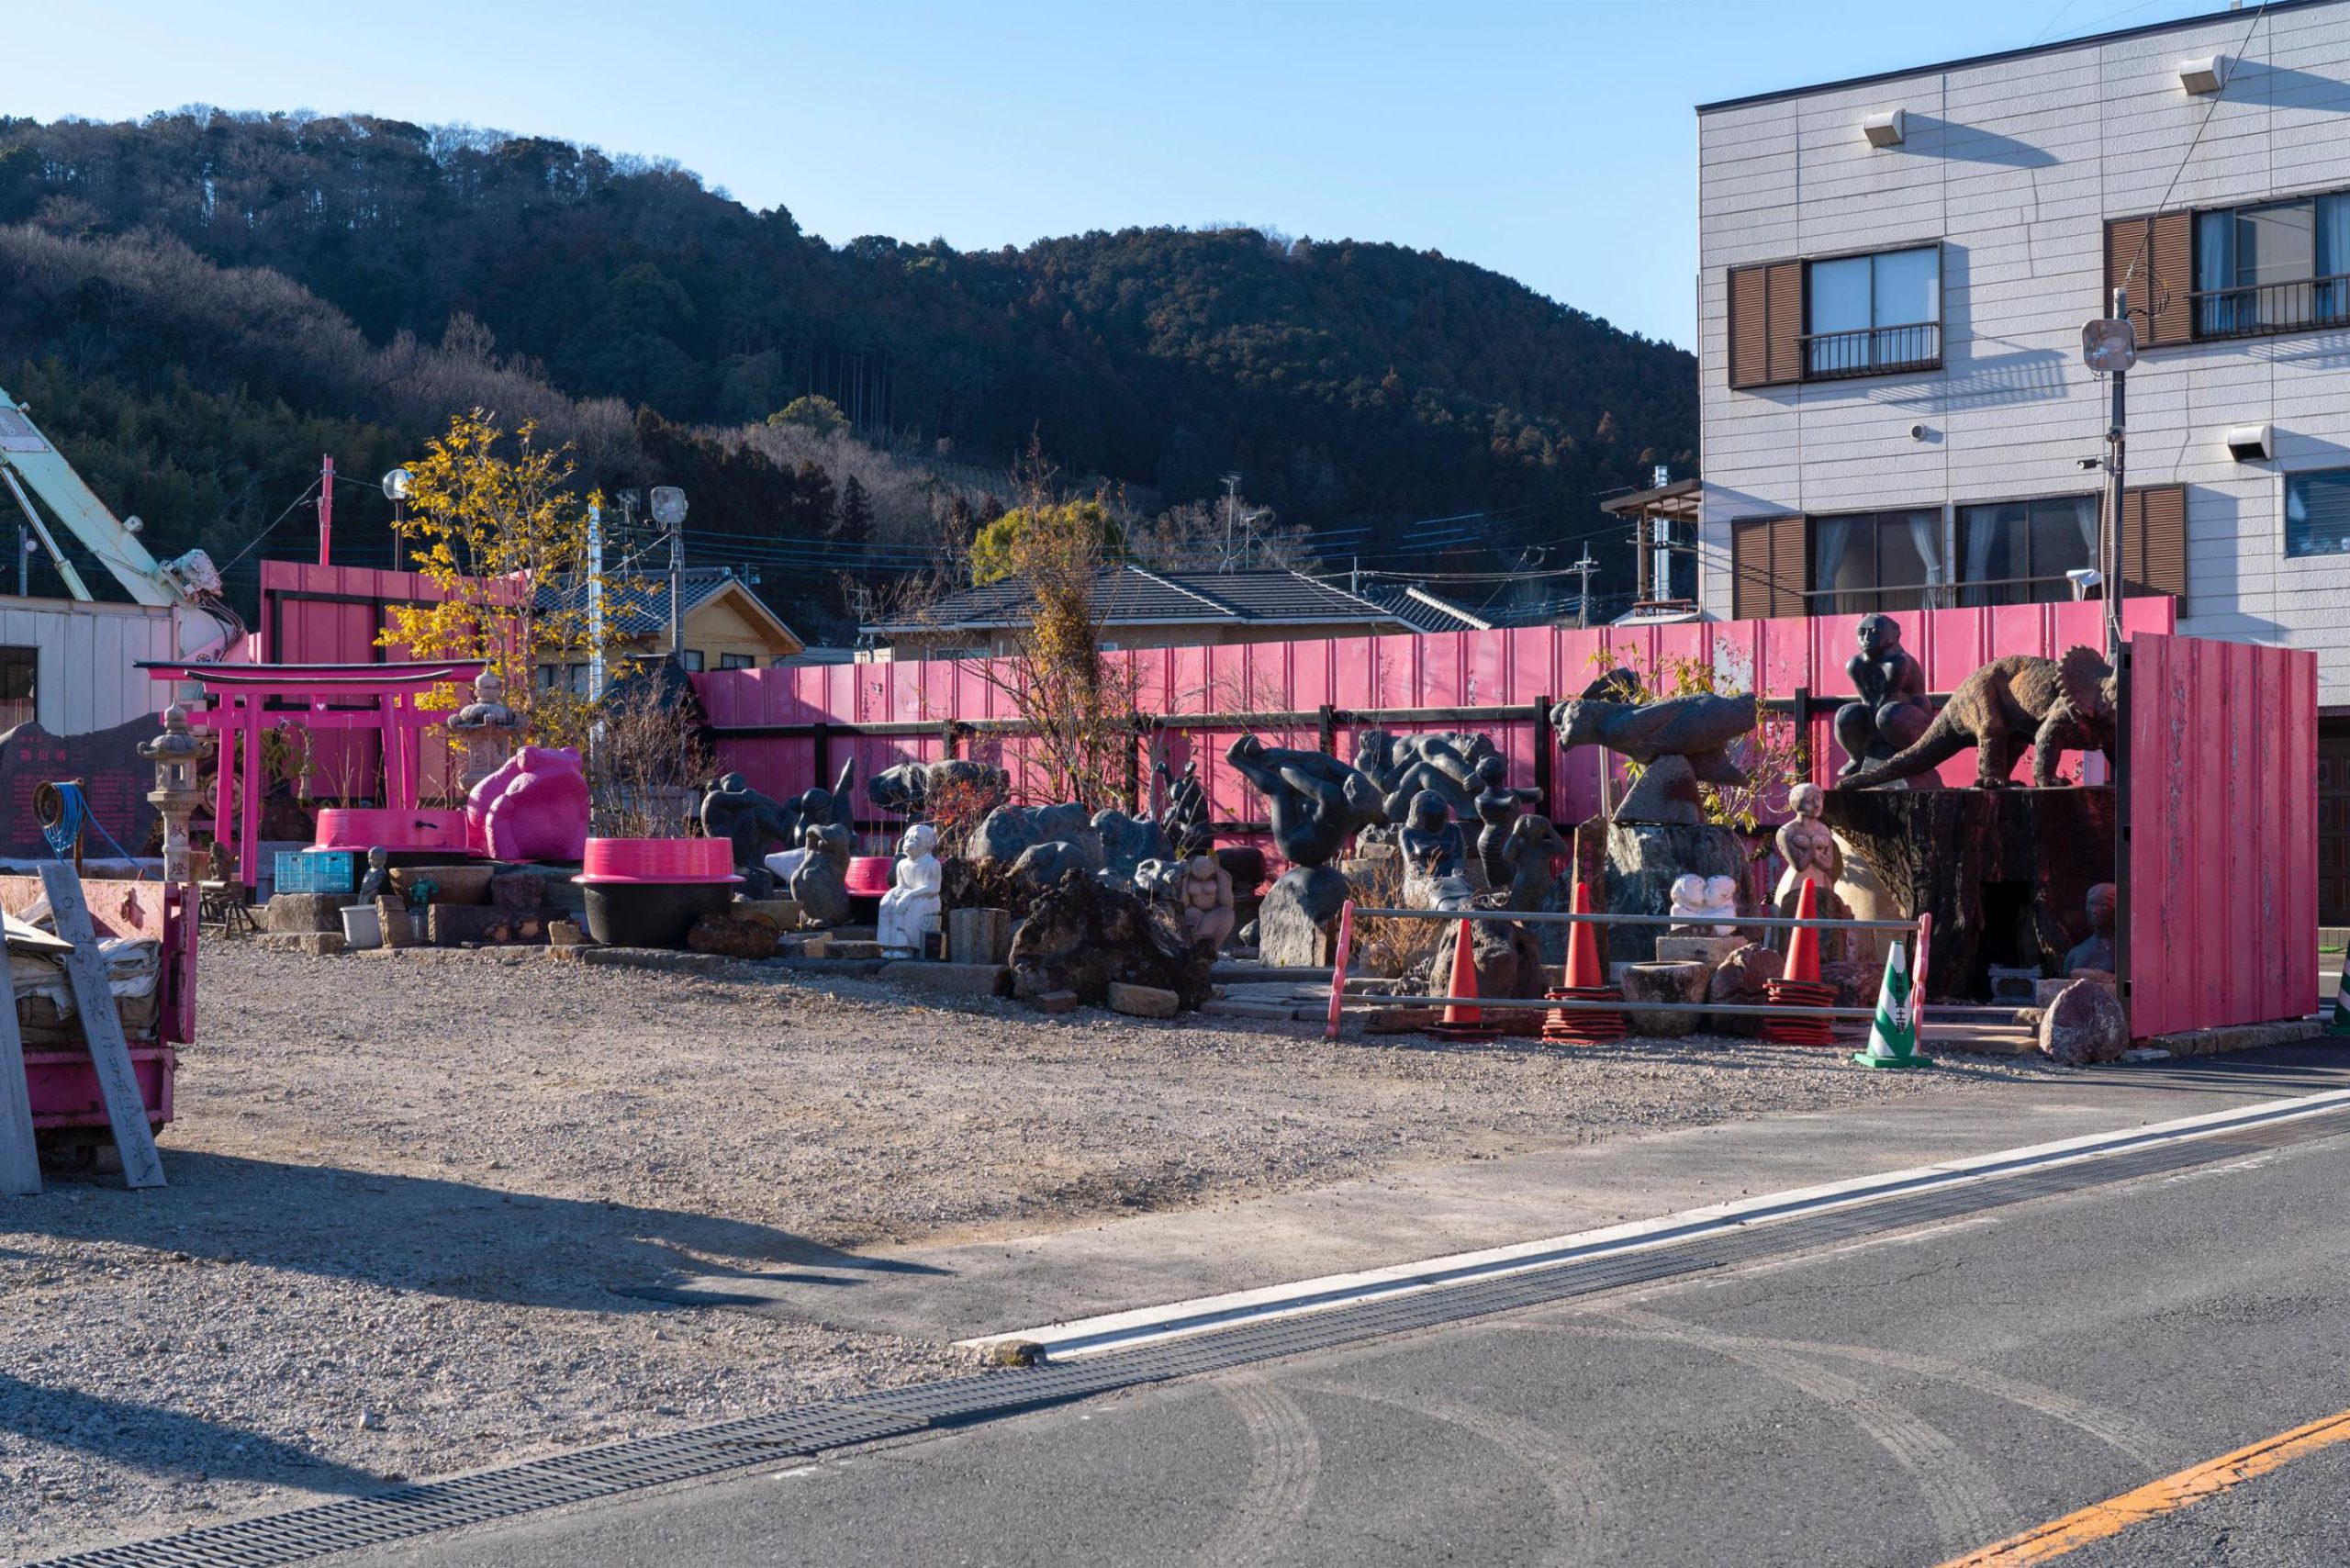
[1206,907]
[1498,808]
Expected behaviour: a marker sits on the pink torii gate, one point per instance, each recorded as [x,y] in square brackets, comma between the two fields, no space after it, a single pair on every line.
[242,702]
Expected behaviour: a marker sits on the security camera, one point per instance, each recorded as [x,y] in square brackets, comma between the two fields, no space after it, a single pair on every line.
[2088,462]
[1917,432]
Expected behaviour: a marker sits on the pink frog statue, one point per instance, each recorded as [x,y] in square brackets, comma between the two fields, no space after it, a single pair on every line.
[533,808]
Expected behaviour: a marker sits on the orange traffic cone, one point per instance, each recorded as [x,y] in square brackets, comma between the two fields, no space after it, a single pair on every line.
[1586,982]
[1799,984]
[1463,1020]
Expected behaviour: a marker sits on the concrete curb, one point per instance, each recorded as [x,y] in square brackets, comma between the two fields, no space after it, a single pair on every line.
[2237,1037]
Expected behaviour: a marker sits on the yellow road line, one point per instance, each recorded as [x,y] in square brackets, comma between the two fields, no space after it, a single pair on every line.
[2098,1520]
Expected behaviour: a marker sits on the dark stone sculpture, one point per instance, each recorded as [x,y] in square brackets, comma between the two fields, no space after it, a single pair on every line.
[1009,831]
[1499,808]
[821,884]
[1316,801]
[1186,812]
[1532,853]
[2098,953]
[1433,849]
[2019,702]
[1402,766]
[907,787]
[819,807]
[1127,841]
[1680,740]
[1043,864]
[750,821]
[1892,712]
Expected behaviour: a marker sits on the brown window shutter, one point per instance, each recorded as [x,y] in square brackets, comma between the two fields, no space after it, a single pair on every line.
[1767,563]
[1748,318]
[1766,324]
[2153,541]
[2156,256]
[1785,285]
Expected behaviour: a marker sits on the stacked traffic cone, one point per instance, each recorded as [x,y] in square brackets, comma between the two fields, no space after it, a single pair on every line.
[1463,1020]
[1586,982]
[1893,1034]
[1798,983]
[2340,1022]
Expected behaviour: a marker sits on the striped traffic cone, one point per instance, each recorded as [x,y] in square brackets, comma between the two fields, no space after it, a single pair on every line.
[2340,1024]
[1893,1034]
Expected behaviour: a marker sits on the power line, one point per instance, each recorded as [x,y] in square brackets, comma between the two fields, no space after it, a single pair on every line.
[2234,59]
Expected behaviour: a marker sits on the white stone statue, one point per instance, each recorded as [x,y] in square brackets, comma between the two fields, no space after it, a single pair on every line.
[910,909]
[1703,900]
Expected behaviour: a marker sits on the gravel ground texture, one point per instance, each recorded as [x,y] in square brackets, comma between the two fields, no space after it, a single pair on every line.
[409,1192]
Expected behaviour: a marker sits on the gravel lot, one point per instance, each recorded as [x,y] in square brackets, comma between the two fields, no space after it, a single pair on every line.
[408,1191]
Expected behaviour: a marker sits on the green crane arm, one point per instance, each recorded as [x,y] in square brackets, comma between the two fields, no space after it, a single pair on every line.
[27,460]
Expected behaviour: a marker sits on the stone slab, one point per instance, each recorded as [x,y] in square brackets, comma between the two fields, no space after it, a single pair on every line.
[1143,1000]
[965,979]
[293,913]
[1707,951]
[317,943]
[1055,1002]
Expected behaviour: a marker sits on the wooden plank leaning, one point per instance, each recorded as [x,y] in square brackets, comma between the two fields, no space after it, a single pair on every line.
[85,968]
[19,1160]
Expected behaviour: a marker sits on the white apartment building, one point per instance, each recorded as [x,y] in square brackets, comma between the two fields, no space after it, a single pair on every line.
[1895,271]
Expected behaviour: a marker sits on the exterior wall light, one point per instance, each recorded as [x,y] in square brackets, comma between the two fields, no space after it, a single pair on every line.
[1884,129]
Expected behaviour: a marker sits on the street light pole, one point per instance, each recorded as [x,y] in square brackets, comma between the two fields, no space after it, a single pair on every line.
[2116,443]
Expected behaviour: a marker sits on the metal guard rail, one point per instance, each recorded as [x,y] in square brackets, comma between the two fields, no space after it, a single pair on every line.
[1920,928]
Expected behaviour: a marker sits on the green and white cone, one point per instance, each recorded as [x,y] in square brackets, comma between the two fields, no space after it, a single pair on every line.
[2340,1021]
[1892,1036]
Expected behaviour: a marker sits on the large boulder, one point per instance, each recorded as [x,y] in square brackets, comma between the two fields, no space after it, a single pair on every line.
[1298,922]
[1040,866]
[1743,980]
[2084,1026]
[1082,937]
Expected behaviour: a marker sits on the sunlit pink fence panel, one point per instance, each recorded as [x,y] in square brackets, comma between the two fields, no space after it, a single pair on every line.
[2220,792]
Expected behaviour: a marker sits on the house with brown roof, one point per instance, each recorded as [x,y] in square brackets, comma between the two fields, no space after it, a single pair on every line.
[1139,608]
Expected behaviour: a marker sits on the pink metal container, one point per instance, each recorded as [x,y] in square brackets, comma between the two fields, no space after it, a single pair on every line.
[64,1085]
[365,828]
[868,875]
[670,861]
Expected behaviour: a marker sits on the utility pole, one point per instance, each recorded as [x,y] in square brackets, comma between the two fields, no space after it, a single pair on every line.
[1231,505]
[23,562]
[1583,568]
[2116,442]
[595,604]
[326,511]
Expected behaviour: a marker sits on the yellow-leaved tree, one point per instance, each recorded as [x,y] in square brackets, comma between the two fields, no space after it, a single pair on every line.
[492,520]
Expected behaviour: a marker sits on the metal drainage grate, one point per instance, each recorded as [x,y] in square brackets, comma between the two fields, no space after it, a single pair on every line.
[590,1473]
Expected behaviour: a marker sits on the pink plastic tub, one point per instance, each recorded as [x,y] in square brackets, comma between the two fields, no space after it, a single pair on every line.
[868,875]
[365,828]
[670,861]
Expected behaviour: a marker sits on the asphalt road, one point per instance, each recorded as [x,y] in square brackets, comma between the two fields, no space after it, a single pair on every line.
[1902,1401]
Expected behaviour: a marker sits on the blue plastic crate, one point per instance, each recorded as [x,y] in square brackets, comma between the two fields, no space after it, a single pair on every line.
[319,871]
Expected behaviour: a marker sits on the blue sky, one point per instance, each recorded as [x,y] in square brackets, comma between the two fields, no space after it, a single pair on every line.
[1553,141]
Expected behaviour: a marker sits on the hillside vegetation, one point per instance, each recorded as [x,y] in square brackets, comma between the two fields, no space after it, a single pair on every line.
[202,303]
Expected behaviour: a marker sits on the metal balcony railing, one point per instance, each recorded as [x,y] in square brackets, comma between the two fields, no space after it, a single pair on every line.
[2256,310]
[1939,596]
[1872,350]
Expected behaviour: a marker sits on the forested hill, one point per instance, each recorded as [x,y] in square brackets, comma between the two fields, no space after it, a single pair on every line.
[163,283]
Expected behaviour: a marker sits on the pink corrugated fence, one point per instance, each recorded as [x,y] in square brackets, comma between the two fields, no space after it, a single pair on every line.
[2220,793]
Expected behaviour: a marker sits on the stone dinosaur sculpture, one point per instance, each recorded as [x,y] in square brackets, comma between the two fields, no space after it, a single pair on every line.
[2049,705]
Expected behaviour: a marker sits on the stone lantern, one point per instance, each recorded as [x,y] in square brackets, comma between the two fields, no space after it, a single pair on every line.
[486,728]
[178,754]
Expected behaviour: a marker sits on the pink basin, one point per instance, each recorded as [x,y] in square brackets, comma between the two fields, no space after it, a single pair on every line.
[661,860]
[365,828]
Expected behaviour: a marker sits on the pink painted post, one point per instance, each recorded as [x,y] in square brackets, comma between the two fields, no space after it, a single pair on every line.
[224,783]
[1339,969]
[326,512]
[249,840]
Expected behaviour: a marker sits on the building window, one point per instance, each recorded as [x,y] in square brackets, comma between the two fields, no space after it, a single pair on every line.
[1884,560]
[2018,552]
[736,661]
[1869,315]
[691,659]
[2277,267]
[2317,514]
[19,686]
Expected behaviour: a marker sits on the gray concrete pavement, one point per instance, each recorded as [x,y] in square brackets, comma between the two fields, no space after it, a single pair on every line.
[999,1287]
[1899,1401]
